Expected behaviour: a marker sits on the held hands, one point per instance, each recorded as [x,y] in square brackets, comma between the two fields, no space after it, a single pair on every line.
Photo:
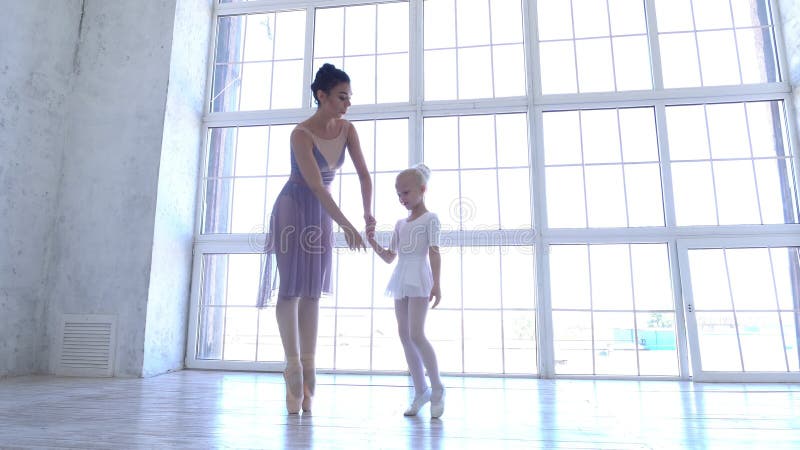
[370,222]
[436,293]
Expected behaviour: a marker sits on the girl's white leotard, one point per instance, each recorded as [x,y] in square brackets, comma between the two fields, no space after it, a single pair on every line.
[412,277]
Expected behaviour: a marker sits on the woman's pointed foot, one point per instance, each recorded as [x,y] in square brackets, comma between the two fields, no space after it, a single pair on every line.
[294,390]
[308,398]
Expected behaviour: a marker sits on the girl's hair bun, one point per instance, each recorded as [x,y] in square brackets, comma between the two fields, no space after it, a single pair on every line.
[424,171]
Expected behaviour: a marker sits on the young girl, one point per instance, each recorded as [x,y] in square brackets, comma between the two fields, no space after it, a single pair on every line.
[414,283]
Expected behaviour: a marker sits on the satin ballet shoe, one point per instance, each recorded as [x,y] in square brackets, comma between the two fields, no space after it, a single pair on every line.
[418,403]
[308,398]
[293,401]
[437,403]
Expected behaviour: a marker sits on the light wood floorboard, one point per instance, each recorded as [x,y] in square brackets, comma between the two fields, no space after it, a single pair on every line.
[206,409]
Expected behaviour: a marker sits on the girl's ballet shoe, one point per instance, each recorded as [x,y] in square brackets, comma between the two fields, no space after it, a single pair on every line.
[308,398]
[293,401]
[437,403]
[418,403]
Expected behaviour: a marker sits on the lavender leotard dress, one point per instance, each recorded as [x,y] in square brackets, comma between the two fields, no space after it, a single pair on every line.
[301,230]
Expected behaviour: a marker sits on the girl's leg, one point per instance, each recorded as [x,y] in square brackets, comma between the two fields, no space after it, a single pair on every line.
[308,319]
[401,311]
[286,315]
[417,312]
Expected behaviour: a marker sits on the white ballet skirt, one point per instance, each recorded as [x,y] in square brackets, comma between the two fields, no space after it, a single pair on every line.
[412,277]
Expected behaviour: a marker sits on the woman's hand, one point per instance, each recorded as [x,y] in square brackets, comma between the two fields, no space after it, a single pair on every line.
[436,293]
[353,238]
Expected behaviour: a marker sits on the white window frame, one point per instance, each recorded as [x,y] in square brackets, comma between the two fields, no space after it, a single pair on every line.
[534,105]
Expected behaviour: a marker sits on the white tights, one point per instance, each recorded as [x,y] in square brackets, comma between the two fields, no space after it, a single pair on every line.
[298,320]
[411,314]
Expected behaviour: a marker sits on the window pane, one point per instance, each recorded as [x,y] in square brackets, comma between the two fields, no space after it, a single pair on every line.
[750,277]
[643,195]
[353,330]
[392,78]
[719,347]
[387,352]
[393,27]
[361,70]
[251,159]
[474,73]
[718,58]
[515,198]
[566,207]
[674,15]
[657,343]
[441,146]
[727,130]
[359,30]
[290,34]
[652,285]
[472,24]
[737,199]
[440,75]
[443,329]
[391,144]
[476,142]
[686,131]
[247,212]
[679,60]
[632,63]
[241,325]
[478,206]
[512,139]
[711,14]
[483,348]
[554,20]
[693,189]
[627,17]
[443,197]
[289,76]
[590,18]
[329,32]
[557,65]
[256,82]
[605,196]
[569,277]
[562,138]
[600,136]
[572,342]
[611,277]
[440,23]
[481,277]
[506,21]
[349,292]
[616,343]
[519,341]
[595,67]
[638,134]
[517,277]
[509,70]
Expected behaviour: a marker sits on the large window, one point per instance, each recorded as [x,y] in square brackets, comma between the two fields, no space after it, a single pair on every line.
[597,164]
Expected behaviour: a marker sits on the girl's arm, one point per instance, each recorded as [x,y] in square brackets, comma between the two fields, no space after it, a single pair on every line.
[385,253]
[436,266]
[357,156]
[302,146]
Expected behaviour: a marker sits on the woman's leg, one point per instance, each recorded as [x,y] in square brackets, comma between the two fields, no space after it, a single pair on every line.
[308,320]
[286,315]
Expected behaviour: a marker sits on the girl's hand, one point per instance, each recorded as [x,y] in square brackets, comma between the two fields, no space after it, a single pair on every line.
[353,238]
[435,293]
[370,222]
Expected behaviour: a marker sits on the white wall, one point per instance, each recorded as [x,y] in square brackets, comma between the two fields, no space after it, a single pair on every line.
[170,276]
[34,87]
[790,22]
[100,116]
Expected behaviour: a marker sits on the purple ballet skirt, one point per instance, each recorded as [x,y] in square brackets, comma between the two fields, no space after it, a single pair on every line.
[300,242]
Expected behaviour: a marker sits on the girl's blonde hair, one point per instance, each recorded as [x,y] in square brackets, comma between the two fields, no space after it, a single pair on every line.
[420,171]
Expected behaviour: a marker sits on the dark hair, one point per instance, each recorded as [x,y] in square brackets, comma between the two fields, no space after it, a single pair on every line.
[328,76]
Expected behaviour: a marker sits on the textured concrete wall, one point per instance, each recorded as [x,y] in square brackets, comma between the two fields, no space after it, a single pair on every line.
[170,278]
[101,256]
[34,84]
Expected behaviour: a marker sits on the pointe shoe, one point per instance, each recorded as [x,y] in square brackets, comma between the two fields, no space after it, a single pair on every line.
[437,403]
[308,398]
[418,403]
[293,400]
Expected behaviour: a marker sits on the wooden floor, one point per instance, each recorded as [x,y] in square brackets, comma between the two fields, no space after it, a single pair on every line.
[201,409]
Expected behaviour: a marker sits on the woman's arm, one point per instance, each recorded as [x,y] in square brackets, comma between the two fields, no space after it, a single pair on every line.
[303,148]
[357,156]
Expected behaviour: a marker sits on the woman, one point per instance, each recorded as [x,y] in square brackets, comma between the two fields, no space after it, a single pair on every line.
[301,228]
